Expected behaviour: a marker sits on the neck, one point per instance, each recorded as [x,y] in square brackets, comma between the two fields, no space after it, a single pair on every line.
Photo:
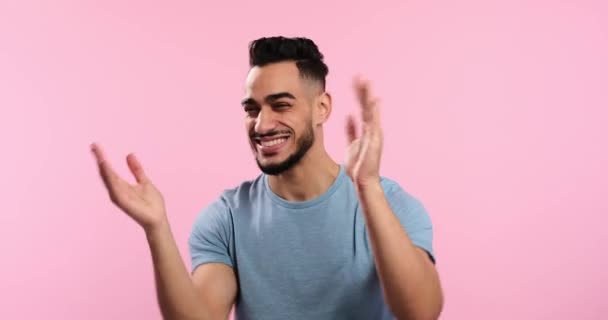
[308,179]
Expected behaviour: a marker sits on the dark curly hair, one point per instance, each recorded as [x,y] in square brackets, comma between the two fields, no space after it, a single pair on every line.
[303,51]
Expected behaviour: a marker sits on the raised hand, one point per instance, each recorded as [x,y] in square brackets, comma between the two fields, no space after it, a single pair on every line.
[142,201]
[365,150]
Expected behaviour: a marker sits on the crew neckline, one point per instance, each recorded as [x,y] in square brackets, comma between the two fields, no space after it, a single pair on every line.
[308,203]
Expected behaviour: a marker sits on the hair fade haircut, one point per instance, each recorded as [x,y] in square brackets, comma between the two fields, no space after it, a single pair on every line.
[303,51]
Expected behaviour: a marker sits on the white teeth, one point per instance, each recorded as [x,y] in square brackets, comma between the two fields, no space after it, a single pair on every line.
[272,142]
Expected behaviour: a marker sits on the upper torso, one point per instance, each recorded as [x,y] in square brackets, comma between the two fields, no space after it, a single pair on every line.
[294,260]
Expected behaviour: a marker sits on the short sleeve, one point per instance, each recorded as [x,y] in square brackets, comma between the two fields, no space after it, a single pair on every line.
[211,236]
[413,217]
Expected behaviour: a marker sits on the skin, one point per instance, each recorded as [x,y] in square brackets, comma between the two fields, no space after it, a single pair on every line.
[278,102]
[308,110]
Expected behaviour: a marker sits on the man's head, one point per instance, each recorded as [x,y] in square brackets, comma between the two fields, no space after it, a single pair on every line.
[285,101]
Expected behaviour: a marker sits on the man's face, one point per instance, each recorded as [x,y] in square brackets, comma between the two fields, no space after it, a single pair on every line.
[278,116]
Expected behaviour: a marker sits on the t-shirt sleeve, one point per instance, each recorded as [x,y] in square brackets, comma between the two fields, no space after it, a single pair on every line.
[413,217]
[211,236]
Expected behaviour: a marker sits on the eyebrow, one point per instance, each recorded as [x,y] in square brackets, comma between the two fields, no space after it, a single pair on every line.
[269,98]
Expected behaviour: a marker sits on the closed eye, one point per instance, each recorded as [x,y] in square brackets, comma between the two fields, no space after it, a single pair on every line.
[251,110]
[281,105]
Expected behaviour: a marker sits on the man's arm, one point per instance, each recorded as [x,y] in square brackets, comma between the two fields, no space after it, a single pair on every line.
[217,287]
[208,294]
[211,291]
[409,279]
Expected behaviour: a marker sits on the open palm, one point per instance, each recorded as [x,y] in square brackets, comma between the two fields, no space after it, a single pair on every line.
[364,151]
[142,201]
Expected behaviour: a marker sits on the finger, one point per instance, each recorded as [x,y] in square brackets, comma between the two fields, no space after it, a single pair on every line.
[97,153]
[108,177]
[362,90]
[104,169]
[373,117]
[367,102]
[137,169]
[351,129]
[106,172]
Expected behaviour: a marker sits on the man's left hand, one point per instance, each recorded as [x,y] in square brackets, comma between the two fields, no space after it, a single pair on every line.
[364,150]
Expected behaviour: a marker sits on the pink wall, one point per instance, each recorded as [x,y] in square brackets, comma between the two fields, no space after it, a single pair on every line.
[495,116]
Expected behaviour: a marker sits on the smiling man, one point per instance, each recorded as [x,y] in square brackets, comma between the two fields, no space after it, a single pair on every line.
[309,238]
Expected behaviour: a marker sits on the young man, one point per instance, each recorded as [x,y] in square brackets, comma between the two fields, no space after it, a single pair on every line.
[309,238]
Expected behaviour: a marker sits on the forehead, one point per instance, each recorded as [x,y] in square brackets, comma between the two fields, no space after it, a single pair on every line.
[273,78]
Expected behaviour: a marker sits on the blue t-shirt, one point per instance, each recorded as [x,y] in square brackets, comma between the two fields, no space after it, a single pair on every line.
[302,260]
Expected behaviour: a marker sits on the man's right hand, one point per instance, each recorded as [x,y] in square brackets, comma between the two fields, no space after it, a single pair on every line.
[142,201]
[210,291]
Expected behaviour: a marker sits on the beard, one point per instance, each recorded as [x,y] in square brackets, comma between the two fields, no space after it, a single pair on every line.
[303,144]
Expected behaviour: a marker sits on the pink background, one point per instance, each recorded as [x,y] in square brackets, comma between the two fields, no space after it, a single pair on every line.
[495,116]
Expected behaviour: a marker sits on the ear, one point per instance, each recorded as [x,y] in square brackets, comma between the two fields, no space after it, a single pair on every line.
[322,108]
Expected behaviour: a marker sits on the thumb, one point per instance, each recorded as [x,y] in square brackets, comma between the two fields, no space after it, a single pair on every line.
[351,129]
[137,169]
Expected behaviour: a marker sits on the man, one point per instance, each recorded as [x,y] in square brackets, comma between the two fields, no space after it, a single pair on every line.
[308,238]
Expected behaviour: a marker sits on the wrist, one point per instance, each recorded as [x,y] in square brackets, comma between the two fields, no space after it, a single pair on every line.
[154,229]
[369,189]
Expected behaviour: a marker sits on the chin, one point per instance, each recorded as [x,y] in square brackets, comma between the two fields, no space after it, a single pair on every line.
[274,167]
[284,157]
[269,161]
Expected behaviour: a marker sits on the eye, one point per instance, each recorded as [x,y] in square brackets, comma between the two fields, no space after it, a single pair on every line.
[280,105]
[251,111]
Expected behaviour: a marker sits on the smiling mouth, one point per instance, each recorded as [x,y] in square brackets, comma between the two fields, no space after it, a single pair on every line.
[270,145]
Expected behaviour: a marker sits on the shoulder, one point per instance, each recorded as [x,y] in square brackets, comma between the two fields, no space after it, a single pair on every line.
[389,184]
[398,196]
[242,194]
[230,199]
[394,188]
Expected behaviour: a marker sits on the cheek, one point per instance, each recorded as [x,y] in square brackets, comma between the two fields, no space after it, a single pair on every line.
[292,121]
[249,125]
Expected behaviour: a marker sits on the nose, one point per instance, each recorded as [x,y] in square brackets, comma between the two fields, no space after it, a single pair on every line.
[265,122]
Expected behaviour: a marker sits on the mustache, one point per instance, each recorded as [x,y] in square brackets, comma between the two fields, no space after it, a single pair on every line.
[255,135]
